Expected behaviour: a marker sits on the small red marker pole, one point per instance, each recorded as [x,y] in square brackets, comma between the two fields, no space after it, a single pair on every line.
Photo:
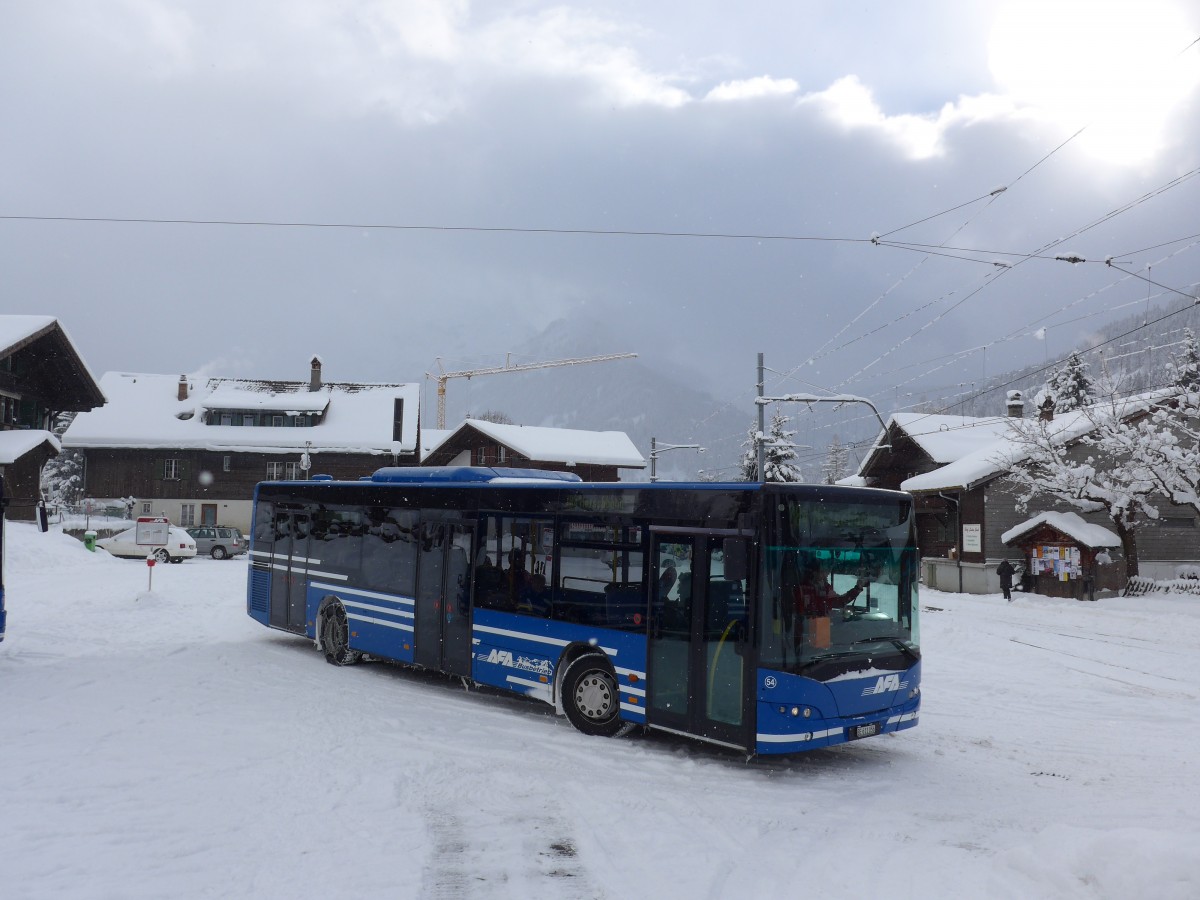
[150,569]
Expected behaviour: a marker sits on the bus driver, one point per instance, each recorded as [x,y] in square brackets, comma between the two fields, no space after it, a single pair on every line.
[816,599]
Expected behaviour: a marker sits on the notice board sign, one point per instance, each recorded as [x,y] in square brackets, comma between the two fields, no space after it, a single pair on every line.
[972,539]
[152,531]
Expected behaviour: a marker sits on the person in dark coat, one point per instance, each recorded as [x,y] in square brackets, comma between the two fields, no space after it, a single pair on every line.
[1005,570]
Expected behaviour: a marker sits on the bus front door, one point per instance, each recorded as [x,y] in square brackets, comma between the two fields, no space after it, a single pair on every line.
[289,569]
[442,632]
[697,648]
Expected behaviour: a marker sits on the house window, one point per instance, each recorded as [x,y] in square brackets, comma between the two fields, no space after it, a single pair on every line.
[248,419]
[500,453]
[398,420]
[276,421]
[227,464]
[292,471]
[187,514]
[226,419]
[1177,522]
[274,471]
[171,469]
[147,508]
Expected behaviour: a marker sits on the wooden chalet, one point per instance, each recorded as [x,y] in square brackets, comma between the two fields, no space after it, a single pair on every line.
[41,376]
[954,466]
[592,455]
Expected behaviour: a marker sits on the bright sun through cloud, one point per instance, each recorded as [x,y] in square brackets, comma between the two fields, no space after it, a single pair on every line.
[1112,65]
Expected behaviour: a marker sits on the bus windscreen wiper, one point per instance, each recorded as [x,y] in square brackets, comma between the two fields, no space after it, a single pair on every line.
[907,650]
[813,660]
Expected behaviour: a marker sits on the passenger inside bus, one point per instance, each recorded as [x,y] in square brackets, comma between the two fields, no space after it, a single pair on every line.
[535,597]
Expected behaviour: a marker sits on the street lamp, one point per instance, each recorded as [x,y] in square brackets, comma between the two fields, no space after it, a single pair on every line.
[656,448]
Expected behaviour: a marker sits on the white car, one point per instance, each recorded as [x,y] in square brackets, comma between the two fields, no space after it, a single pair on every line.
[179,546]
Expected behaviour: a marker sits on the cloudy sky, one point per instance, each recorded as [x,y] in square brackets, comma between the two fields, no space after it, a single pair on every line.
[479,148]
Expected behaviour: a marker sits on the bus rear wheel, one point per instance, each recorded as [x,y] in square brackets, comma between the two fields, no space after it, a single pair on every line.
[335,638]
[591,699]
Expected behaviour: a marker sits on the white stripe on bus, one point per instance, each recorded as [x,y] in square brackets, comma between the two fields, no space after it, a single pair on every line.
[312,572]
[357,604]
[797,738]
[400,626]
[374,595]
[537,638]
[300,559]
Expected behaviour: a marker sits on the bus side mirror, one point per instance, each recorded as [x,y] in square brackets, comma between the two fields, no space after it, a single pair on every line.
[734,551]
[43,522]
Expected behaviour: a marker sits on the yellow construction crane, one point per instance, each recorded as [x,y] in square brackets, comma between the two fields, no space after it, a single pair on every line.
[443,376]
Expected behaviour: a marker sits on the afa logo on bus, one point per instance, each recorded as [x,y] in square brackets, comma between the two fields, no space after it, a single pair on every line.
[885,684]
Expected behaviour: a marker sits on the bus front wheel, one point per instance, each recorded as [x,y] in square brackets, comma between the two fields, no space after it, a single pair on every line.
[591,699]
[335,638]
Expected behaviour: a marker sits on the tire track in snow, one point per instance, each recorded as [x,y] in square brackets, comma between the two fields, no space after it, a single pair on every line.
[482,842]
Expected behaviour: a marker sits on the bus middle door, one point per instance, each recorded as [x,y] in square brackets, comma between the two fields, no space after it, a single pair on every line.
[289,564]
[442,631]
[697,647]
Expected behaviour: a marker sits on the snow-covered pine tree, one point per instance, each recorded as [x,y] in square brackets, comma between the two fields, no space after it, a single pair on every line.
[1184,367]
[778,455]
[62,475]
[781,452]
[837,462]
[1071,386]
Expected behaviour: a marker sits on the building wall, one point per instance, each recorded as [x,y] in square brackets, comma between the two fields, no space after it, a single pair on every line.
[22,483]
[1163,546]
[115,474]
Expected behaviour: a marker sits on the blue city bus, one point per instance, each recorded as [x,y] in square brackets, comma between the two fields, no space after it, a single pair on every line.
[769,618]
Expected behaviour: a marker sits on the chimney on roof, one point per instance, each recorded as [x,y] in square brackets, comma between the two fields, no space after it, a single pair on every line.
[182,394]
[314,377]
[1016,405]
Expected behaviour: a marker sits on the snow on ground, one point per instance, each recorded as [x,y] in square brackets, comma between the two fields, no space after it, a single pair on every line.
[160,743]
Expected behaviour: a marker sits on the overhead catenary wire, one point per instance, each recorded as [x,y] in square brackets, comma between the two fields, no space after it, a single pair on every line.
[484,229]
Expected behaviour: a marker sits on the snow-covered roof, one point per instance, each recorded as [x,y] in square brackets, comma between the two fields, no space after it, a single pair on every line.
[949,438]
[993,456]
[73,385]
[144,412]
[15,444]
[228,396]
[1071,524]
[15,329]
[563,445]
[432,438]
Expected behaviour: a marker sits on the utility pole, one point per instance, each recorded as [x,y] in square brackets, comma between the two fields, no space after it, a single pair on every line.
[656,450]
[761,440]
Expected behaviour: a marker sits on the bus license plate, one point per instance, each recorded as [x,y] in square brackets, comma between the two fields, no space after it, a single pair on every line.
[862,731]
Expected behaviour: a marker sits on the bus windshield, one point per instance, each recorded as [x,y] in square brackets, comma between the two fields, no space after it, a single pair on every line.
[839,587]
